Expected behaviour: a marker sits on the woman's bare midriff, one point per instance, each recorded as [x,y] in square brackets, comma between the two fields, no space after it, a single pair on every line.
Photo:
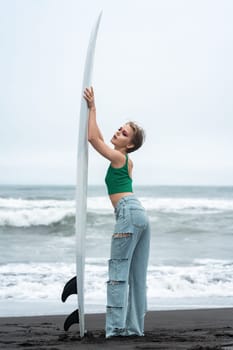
[117,196]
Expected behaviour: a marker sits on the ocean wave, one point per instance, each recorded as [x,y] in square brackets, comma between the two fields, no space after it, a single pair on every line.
[35,217]
[26,213]
[213,278]
[13,203]
[188,205]
[103,204]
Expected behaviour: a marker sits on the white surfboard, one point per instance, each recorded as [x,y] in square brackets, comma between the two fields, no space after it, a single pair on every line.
[76,285]
[82,175]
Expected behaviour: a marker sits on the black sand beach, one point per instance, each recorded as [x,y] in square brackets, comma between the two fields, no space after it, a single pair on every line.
[176,329]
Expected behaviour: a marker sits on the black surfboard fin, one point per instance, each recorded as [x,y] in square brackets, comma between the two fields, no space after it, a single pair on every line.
[70,288]
[71,319]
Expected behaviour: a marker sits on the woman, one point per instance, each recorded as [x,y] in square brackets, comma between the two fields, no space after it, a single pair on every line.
[126,288]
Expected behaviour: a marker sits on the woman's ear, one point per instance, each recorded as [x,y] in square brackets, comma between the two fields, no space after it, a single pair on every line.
[130,146]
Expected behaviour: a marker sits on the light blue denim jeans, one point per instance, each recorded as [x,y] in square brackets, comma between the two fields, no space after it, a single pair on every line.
[126,288]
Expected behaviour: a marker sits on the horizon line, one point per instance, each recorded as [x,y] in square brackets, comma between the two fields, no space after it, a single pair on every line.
[103,185]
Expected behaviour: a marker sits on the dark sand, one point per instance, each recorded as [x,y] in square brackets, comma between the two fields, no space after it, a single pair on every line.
[183,329]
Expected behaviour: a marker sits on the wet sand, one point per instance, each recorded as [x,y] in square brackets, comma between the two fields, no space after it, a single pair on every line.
[177,329]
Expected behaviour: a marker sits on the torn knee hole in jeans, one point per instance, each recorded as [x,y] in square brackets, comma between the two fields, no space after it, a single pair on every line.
[122,235]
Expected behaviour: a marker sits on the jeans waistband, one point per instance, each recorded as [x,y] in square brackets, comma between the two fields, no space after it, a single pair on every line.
[126,199]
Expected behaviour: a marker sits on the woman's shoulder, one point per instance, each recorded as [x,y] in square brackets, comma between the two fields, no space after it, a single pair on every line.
[119,161]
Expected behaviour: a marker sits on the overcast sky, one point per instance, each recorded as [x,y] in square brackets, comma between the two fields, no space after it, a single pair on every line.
[165,64]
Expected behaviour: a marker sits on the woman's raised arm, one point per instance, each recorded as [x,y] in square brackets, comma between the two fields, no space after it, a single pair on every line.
[94,134]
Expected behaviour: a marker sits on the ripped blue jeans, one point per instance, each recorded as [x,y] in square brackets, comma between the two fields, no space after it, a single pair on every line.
[126,288]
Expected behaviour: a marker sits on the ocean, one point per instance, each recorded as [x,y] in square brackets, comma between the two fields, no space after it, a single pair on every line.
[191,256]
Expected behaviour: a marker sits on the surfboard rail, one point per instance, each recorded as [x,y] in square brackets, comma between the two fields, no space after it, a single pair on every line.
[81,191]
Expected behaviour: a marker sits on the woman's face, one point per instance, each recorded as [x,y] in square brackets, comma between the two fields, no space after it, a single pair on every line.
[123,136]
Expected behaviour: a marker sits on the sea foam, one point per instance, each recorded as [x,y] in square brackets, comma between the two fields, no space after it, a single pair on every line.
[202,278]
[26,213]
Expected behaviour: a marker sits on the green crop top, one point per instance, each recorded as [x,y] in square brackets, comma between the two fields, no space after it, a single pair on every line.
[118,179]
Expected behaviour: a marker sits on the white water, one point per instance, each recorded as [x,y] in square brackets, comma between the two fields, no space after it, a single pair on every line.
[26,213]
